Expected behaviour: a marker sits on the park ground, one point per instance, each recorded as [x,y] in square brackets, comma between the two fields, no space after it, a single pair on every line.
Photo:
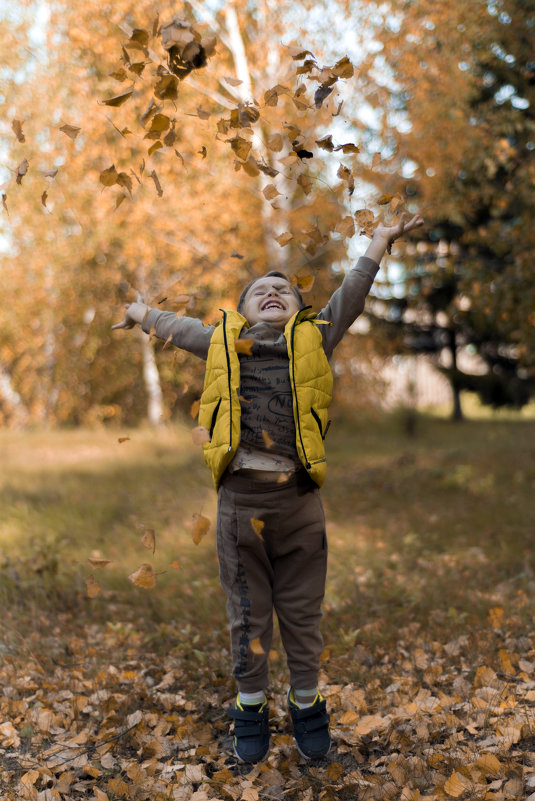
[112,691]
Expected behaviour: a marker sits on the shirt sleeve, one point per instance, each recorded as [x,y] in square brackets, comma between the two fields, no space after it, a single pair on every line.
[187,333]
[347,303]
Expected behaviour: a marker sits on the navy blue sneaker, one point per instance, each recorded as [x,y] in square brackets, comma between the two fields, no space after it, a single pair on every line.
[251,730]
[311,727]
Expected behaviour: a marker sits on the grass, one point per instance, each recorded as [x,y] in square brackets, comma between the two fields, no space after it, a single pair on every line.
[432,529]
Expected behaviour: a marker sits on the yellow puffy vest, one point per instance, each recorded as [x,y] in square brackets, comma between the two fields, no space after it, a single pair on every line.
[310,378]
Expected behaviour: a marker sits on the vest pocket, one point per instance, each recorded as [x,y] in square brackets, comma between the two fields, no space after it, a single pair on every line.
[214,416]
[318,421]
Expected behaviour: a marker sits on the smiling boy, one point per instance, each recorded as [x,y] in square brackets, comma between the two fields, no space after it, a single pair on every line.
[267,416]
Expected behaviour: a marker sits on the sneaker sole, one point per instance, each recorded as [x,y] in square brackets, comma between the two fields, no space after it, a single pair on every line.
[243,761]
[312,758]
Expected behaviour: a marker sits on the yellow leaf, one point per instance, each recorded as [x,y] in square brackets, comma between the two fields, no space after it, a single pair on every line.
[489,764]
[305,282]
[149,539]
[108,177]
[257,525]
[156,146]
[408,794]
[496,616]
[98,563]
[200,435]
[384,200]
[200,528]
[92,587]
[144,577]
[194,408]
[29,779]
[244,346]
[118,100]
[256,646]
[457,784]
[241,147]
[505,662]
[270,191]
[348,718]
[175,564]
[484,677]
[268,442]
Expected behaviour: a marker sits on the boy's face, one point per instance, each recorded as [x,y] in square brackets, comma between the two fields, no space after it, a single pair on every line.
[270,300]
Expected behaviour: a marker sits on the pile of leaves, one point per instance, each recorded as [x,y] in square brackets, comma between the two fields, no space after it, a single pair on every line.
[97,714]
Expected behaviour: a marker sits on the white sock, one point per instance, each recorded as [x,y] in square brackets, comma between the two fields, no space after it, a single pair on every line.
[305,698]
[252,698]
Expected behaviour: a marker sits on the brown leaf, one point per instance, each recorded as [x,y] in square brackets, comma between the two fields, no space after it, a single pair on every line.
[43,198]
[241,147]
[50,173]
[17,129]
[203,113]
[250,167]
[305,183]
[343,68]
[166,88]
[334,771]
[257,525]
[321,93]
[326,143]
[194,408]
[275,142]
[108,177]
[71,131]
[92,587]
[346,226]
[200,435]
[22,169]
[148,540]
[244,346]
[157,183]
[123,439]
[375,160]
[364,217]
[4,203]
[297,53]
[156,146]
[144,577]
[349,147]
[200,528]
[118,100]
[203,152]
[256,646]
[232,81]
[270,191]
[457,784]
[305,282]
[175,564]
[283,239]
[98,564]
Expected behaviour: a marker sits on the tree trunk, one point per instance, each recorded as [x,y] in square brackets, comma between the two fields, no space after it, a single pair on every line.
[151,376]
[457,411]
[12,399]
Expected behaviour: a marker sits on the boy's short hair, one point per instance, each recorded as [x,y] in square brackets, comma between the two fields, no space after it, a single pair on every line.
[275,274]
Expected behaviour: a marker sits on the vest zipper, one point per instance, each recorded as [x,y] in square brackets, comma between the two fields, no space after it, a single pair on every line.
[229,377]
[307,463]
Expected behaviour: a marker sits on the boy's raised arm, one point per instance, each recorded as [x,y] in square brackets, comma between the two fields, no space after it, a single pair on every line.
[187,333]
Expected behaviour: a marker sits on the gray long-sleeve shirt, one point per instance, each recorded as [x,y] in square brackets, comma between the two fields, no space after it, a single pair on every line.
[344,306]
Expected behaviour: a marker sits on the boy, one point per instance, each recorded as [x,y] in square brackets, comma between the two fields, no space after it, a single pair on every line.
[265,409]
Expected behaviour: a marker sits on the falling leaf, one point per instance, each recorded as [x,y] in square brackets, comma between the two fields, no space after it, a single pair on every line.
[148,540]
[346,226]
[283,239]
[349,147]
[397,201]
[43,198]
[375,160]
[144,577]
[364,217]
[326,143]
[232,81]
[321,93]
[339,109]
[175,564]
[50,173]
[98,564]
[244,346]
[157,183]
[257,525]
[194,408]
[250,167]
[346,175]
[268,442]
[138,67]
[236,255]
[118,100]
[270,191]
[71,131]
[384,200]
[275,142]
[305,183]
[200,528]
[22,169]
[123,439]
[200,435]
[159,124]
[241,147]
[203,113]
[119,75]
[297,53]
[108,177]
[17,129]
[154,147]
[256,646]
[92,587]
[203,152]
[343,68]
[4,203]
[267,169]
[305,282]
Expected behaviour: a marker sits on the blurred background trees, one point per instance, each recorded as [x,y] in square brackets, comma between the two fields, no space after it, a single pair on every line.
[181,184]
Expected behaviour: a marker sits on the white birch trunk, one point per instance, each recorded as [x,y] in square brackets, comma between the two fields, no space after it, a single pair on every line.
[12,399]
[151,376]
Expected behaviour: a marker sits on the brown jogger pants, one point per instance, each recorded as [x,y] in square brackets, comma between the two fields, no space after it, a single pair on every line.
[283,569]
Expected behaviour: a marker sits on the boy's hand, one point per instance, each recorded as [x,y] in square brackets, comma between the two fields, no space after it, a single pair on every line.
[134,314]
[389,233]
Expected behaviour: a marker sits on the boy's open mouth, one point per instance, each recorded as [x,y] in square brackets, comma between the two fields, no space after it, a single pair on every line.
[272,304]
